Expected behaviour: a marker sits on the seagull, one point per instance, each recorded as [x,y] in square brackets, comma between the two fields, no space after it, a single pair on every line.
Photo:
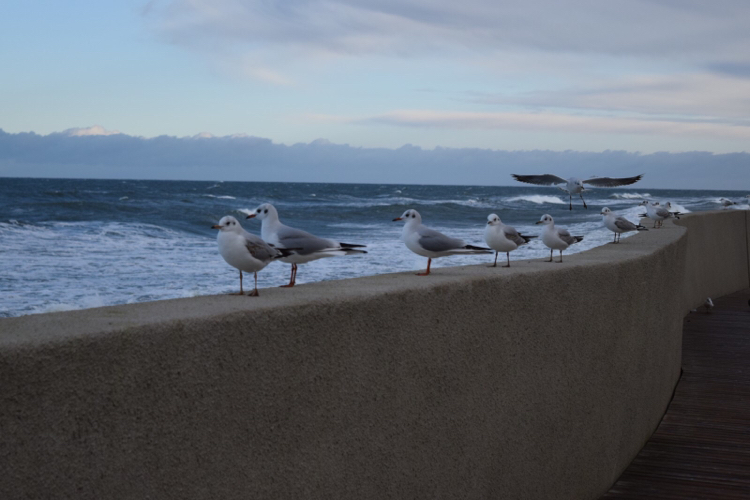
[502,238]
[307,247]
[244,250]
[574,185]
[657,213]
[726,203]
[619,224]
[556,238]
[709,305]
[430,243]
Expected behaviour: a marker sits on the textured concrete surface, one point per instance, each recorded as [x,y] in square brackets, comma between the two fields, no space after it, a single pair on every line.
[539,381]
[717,255]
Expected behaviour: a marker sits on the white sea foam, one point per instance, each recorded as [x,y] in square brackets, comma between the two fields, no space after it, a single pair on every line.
[630,196]
[538,199]
[223,197]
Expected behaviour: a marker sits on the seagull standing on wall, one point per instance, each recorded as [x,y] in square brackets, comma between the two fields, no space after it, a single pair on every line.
[556,238]
[502,238]
[244,250]
[307,247]
[432,244]
[574,185]
[618,224]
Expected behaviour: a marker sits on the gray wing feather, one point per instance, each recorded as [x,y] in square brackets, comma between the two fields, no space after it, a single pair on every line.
[307,243]
[259,248]
[542,180]
[566,237]
[625,224]
[434,241]
[612,181]
[512,235]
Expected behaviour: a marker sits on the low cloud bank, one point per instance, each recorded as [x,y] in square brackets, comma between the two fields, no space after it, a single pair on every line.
[243,158]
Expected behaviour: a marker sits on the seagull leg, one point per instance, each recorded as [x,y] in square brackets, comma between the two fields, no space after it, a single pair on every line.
[570,201]
[550,256]
[254,293]
[240,292]
[292,278]
[584,201]
[560,262]
[495,264]
[507,254]
[429,261]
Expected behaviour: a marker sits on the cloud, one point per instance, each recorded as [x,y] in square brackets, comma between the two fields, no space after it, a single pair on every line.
[551,122]
[94,130]
[709,96]
[411,27]
[257,159]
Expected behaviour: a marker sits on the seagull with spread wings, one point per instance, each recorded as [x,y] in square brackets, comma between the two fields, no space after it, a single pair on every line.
[574,185]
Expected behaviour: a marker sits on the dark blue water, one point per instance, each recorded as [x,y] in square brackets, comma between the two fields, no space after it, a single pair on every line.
[67,243]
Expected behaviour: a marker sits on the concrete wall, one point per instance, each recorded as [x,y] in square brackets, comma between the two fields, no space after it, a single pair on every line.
[539,381]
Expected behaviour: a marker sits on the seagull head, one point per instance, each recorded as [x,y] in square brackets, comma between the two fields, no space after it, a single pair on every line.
[606,211]
[227,223]
[410,215]
[546,220]
[263,211]
[644,202]
[493,220]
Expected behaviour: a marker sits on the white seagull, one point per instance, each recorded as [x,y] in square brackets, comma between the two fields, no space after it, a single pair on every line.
[574,185]
[244,250]
[726,203]
[430,243]
[657,213]
[556,238]
[307,247]
[618,224]
[502,238]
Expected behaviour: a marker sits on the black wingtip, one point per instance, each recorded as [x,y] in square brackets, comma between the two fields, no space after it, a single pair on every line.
[351,245]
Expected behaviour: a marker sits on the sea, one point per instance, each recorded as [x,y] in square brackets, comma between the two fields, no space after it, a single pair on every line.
[80,243]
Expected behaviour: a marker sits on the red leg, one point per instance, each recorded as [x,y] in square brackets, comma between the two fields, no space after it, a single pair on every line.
[429,261]
[495,264]
[292,278]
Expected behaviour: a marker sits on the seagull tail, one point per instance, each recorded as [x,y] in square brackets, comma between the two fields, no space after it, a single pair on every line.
[351,245]
[473,249]
[641,228]
[578,238]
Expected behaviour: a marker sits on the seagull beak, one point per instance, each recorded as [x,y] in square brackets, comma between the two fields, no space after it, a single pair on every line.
[216,226]
[538,222]
[489,222]
[397,218]
[252,215]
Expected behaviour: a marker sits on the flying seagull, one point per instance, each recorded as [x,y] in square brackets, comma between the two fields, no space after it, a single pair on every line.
[574,185]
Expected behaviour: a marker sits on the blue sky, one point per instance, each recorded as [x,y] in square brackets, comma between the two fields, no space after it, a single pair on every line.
[584,75]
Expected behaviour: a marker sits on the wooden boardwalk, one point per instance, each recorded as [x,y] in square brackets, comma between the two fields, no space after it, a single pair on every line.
[701,449]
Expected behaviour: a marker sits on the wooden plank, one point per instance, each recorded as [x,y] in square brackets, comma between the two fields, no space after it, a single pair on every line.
[701,449]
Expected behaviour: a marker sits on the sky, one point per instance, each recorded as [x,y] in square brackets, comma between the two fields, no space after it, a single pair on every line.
[642,76]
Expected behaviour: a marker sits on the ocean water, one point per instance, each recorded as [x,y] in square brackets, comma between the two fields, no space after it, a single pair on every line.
[71,244]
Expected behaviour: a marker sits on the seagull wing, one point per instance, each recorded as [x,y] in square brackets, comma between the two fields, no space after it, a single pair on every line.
[612,181]
[307,243]
[542,180]
[435,241]
[565,236]
[512,235]
[259,248]
[624,224]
